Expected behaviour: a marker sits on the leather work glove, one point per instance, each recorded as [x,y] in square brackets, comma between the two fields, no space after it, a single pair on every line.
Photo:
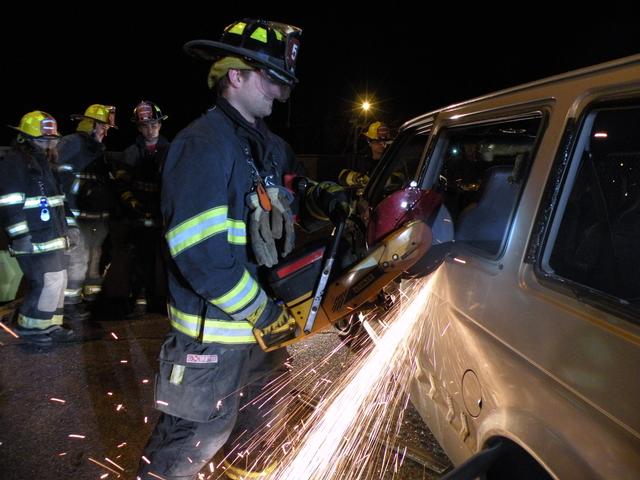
[272,324]
[21,245]
[281,216]
[260,236]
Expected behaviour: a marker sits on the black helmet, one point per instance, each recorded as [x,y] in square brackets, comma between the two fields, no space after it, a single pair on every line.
[270,45]
[147,111]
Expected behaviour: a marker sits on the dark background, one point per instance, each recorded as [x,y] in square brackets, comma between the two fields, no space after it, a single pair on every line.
[62,60]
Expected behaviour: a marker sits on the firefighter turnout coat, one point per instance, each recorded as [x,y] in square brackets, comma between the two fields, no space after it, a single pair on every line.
[210,168]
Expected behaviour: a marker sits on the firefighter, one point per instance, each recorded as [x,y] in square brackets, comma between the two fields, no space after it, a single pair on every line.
[225,207]
[32,212]
[84,175]
[378,136]
[138,180]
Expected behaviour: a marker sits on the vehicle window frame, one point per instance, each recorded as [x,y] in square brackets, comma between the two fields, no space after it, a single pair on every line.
[442,140]
[552,210]
[374,191]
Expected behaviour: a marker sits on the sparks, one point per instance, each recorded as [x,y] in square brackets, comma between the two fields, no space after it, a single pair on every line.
[121,445]
[161,402]
[146,380]
[73,435]
[9,331]
[145,459]
[59,400]
[114,335]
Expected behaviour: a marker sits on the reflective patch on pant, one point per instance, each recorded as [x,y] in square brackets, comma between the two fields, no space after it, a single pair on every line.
[39,323]
[54,285]
[177,374]
[92,289]
[192,358]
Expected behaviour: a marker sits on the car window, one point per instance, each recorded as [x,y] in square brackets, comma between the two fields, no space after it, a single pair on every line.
[596,233]
[482,171]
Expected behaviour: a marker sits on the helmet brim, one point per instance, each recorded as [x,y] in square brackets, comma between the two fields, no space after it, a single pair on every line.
[211,51]
[78,116]
[46,137]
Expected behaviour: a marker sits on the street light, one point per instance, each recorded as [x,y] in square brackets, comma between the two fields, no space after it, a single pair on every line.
[364,107]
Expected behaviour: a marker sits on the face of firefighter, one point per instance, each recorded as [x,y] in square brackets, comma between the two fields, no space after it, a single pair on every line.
[377,148]
[150,130]
[100,131]
[253,93]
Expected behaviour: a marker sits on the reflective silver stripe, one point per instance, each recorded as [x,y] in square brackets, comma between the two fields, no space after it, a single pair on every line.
[75,212]
[55,244]
[91,215]
[31,322]
[87,176]
[17,229]
[71,221]
[65,167]
[75,186]
[72,292]
[11,199]
[34,202]
[218,331]
[91,289]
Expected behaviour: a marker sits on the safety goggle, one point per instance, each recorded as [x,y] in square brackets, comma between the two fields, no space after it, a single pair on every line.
[272,86]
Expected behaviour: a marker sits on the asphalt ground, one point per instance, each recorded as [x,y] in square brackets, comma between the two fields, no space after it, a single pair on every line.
[84,409]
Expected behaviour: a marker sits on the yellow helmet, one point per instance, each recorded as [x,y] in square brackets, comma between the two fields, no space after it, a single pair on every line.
[96,113]
[38,124]
[378,131]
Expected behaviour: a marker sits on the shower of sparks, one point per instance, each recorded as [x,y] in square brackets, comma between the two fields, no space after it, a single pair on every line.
[355,421]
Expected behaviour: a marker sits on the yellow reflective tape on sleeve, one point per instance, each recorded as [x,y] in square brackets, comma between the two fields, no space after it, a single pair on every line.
[236,232]
[196,229]
[11,199]
[16,229]
[240,296]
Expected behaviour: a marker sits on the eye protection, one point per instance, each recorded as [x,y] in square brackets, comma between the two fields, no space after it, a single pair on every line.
[272,86]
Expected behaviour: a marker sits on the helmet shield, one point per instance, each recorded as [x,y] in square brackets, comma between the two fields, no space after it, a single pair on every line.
[267,45]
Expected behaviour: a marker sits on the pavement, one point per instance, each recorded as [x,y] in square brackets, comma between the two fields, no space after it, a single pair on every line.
[84,409]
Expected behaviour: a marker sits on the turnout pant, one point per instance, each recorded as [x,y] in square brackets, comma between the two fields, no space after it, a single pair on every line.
[46,279]
[84,260]
[198,389]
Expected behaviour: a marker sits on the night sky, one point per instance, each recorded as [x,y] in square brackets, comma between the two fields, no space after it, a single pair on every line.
[406,63]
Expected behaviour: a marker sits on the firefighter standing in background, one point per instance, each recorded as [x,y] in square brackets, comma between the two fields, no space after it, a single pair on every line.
[378,137]
[138,181]
[222,175]
[32,212]
[84,175]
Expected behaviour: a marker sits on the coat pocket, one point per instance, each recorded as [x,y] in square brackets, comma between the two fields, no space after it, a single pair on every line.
[198,391]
